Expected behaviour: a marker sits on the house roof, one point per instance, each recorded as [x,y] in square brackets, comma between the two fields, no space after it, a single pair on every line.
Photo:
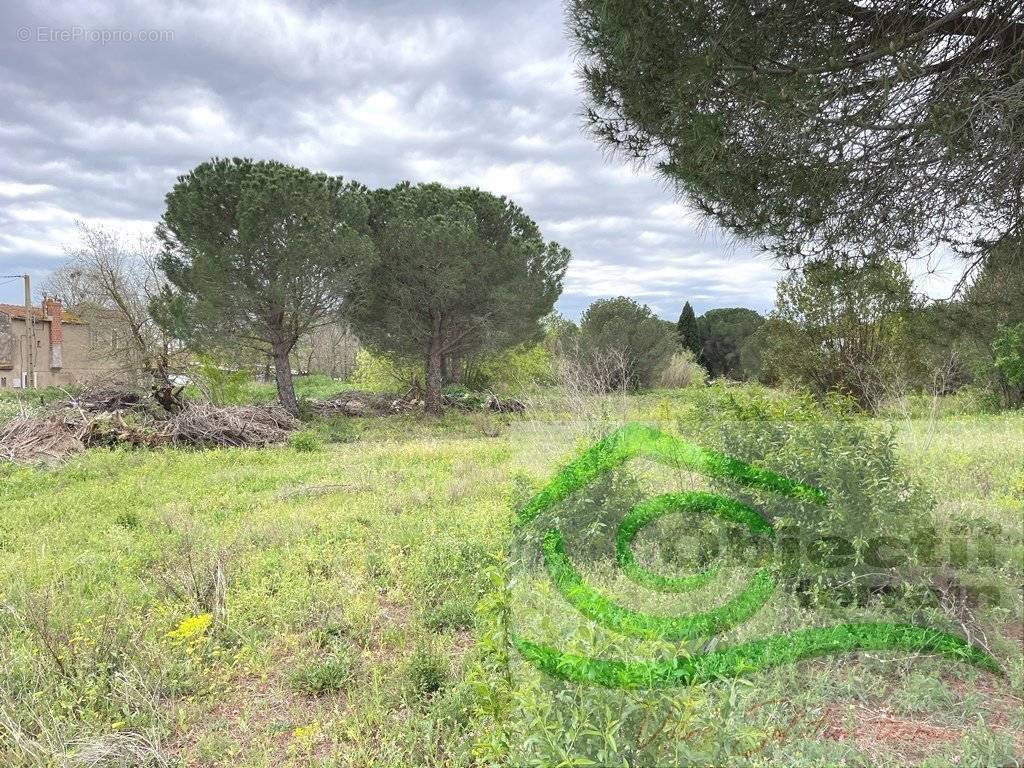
[17,312]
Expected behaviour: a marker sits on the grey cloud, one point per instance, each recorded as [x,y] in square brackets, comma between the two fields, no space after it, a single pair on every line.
[458,91]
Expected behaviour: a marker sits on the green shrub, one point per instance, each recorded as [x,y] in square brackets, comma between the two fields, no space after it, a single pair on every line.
[377,373]
[427,671]
[1009,351]
[221,385]
[325,675]
[461,397]
[451,614]
[682,371]
[852,459]
[305,441]
[513,371]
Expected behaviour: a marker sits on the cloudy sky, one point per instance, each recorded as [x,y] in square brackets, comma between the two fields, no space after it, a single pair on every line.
[105,102]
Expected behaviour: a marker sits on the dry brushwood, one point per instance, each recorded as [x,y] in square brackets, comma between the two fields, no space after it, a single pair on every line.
[68,430]
[105,400]
[504,404]
[29,439]
[116,417]
[209,426]
[382,404]
[362,404]
[111,429]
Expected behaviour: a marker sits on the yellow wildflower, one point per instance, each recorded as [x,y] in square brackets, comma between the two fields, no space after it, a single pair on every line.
[192,627]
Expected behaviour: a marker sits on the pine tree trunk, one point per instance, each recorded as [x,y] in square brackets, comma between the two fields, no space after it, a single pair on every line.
[283,376]
[435,362]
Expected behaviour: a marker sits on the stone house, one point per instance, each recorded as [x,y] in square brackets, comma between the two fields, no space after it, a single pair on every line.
[59,347]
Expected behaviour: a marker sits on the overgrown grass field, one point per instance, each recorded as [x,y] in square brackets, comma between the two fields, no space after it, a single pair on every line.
[346,601]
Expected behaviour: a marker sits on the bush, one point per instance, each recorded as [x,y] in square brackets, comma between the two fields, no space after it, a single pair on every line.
[513,371]
[306,441]
[377,373]
[853,460]
[461,397]
[326,675]
[221,386]
[682,371]
[1009,353]
[427,671]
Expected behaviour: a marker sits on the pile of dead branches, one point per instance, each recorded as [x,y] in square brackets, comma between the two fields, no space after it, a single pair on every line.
[67,430]
[382,404]
[362,404]
[106,400]
[210,426]
[115,429]
[26,439]
[504,404]
[122,417]
[466,400]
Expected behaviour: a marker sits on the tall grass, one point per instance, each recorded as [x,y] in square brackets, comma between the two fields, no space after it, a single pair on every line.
[348,606]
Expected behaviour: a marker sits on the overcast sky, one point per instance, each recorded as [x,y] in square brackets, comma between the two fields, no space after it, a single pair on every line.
[459,91]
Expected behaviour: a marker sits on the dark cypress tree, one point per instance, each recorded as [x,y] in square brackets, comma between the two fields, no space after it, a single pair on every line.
[689,333]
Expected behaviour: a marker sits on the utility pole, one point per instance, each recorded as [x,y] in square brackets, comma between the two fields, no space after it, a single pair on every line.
[30,334]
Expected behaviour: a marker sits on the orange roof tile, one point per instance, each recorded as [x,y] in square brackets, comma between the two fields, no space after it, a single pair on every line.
[17,312]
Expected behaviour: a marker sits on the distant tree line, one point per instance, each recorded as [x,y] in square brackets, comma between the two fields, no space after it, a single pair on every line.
[260,263]
[847,327]
[859,329]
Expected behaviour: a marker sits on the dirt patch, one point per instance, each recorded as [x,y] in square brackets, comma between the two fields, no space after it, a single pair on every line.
[264,718]
[880,734]
[883,735]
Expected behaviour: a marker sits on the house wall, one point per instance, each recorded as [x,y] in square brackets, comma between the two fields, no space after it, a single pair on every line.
[85,361]
[80,364]
[13,364]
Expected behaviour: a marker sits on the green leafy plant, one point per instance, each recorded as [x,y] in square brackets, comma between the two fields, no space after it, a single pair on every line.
[306,441]
[427,671]
[633,441]
[1009,352]
[327,675]
[222,385]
